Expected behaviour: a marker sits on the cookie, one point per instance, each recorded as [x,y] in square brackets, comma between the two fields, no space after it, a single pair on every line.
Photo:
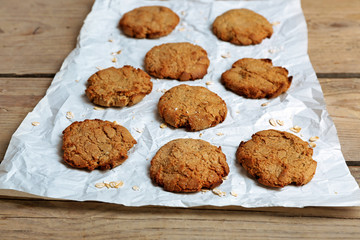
[149,22]
[183,61]
[256,78]
[92,144]
[242,27]
[118,87]
[193,107]
[277,158]
[188,165]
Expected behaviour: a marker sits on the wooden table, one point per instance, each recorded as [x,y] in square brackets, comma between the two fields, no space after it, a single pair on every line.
[36,36]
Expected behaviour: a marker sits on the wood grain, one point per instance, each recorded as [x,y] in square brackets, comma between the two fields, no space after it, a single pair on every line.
[37,35]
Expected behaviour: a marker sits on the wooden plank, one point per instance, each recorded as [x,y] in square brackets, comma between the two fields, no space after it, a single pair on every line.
[18,96]
[37,35]
[92,220]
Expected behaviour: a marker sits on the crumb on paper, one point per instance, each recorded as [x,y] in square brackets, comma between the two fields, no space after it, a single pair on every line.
[69,115]
[200,134]
[114,59]
[100,185]
[163,91]
[281,123]
[183,13]
[225,55]
[314,139]
[35,123]
[272,50]
[110,40]
[133,117]
[117,184]
[238,111]
[312,144]
[225,178]
[138,130]
[99,68]
[116,53]
[115,122]
[336,192]
[163,125]
[272,122]
[219,133]
[265,104]
[204,190]
[234,194]
[209,83]
[218,192]
[99,108]
[77,80]
[295,129]
[182,29]
[275,23]
[135,188]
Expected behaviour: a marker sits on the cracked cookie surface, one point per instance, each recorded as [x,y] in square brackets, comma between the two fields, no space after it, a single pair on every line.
[149,22]
[242,27]
[92,144]
[188,165]
[183,61]
[193,107]
[277,158]
[118,87]
[256,78]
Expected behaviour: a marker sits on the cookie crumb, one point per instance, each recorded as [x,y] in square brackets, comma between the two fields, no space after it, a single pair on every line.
[281,123]
[77,80]
[295,129]
[272,51]
[133,117]
[182,29]
[135,188]
[35,123]
[314,139]
[312,144]
[99,185]
[182,13]
[69,115]
[225,178]
[226,55]
[219,192]
[110,40]
[238,111]
[99,108]
[272,122]
[204,190]
[275,23]
[115,122]
[200,135]
[163,125]
[234,194]
[209,83]
[114,60]
[99,68]
[163,91]
[116,53]
[138,130]
[265,104]
[219,133]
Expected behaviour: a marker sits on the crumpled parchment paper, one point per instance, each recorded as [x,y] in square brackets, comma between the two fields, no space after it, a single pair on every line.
[33,162]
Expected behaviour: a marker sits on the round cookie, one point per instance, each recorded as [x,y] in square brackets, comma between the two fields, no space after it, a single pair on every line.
[149,22]
[256,78]
[242,27]
[183,61]
[277,158]
[118,87]
[92,144]
[188,165]
[192,107]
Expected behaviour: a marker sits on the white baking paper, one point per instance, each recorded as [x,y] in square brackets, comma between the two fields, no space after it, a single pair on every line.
[33,162]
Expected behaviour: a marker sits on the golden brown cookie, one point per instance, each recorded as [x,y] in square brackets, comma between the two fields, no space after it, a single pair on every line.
[149,22]
[118,87]
[192,107]
[256,78]
[242,27]
[277,159]
[188,165]
[182,61]
[95,143]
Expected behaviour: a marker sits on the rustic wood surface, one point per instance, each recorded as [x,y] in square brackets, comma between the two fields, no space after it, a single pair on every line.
[36,36]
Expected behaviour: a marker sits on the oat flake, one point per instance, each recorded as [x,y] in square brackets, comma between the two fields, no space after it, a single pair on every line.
[35,123]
